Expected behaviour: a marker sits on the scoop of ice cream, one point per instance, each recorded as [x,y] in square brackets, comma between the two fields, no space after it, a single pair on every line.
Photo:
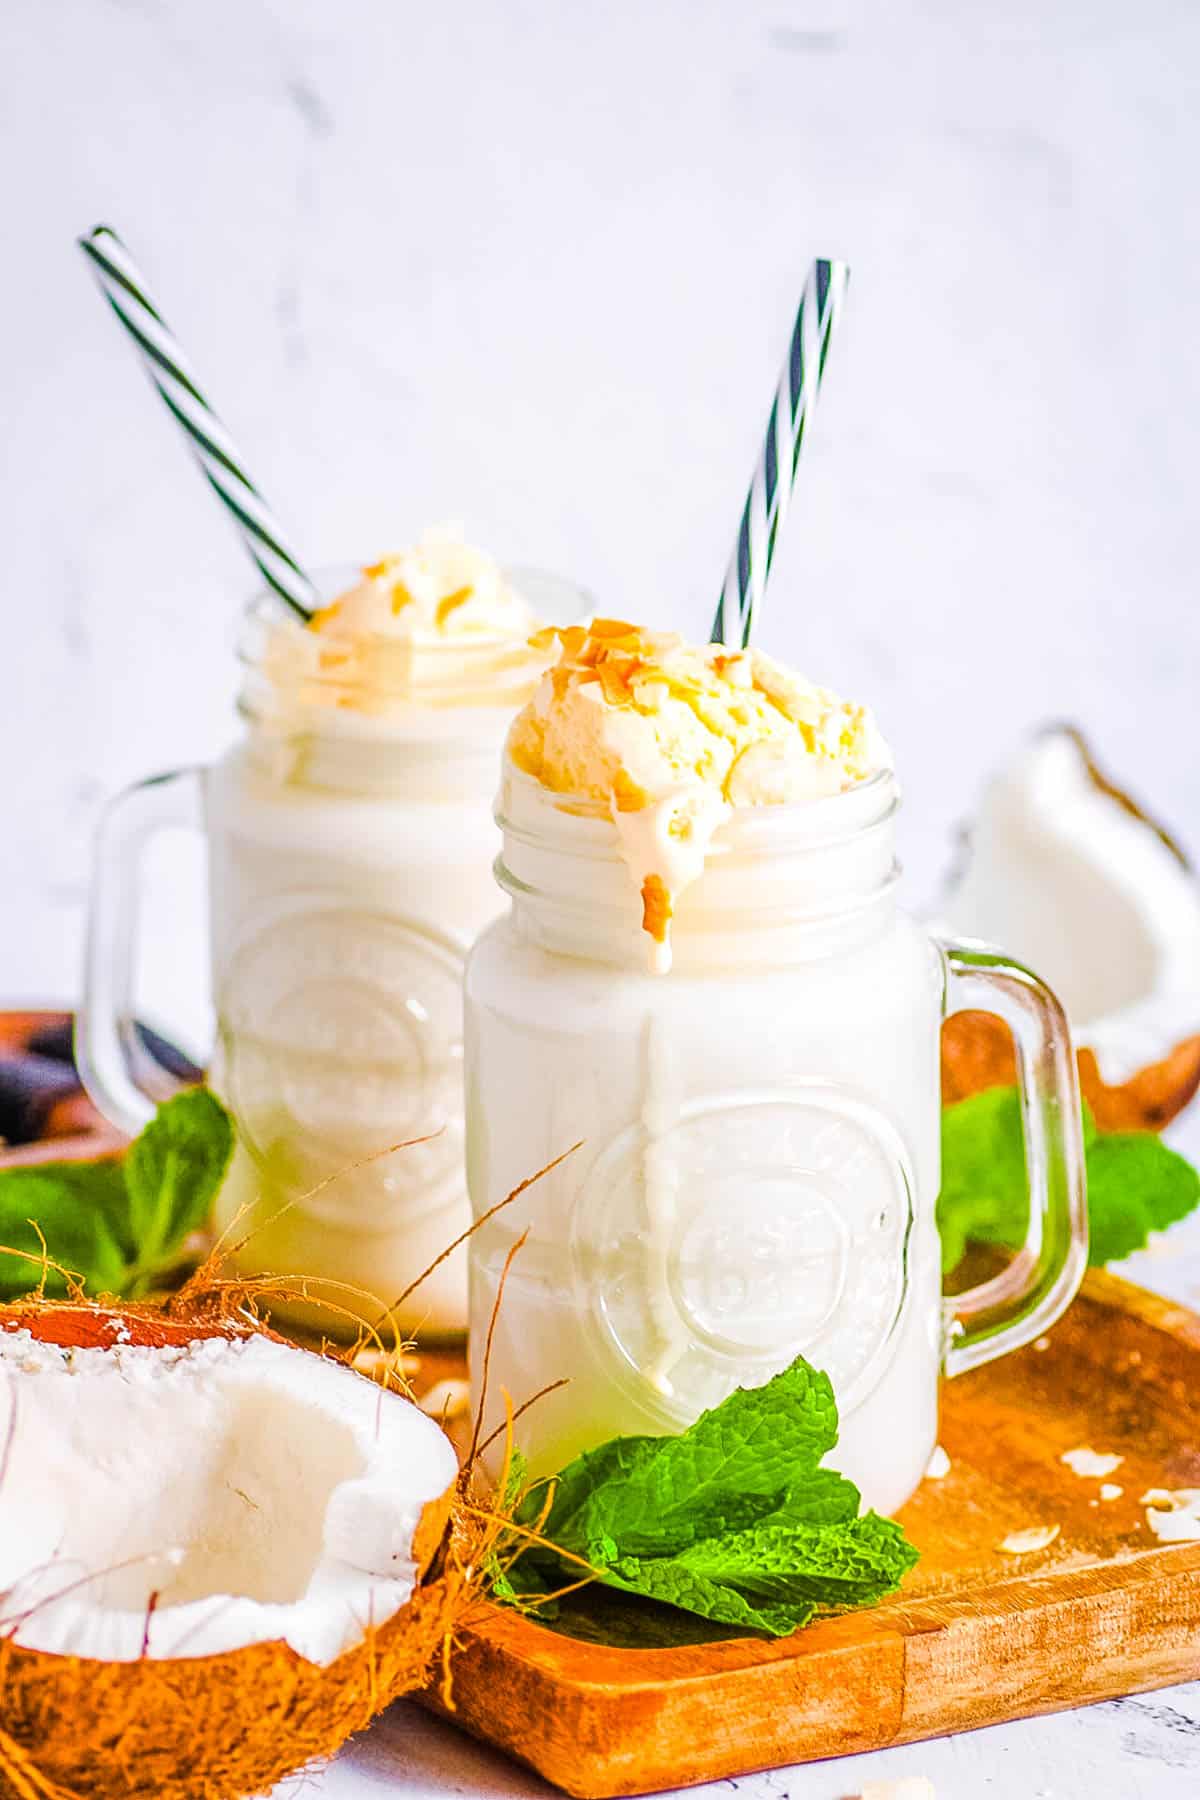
[437,624]
[439,591]
[669,737]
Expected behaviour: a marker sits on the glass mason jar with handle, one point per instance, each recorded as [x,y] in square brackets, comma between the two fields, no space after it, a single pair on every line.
[350,840]
[759,1169]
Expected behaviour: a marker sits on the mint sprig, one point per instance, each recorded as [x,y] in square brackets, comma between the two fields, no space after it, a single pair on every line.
[732,1520]
[119,1225]
[1136,1184]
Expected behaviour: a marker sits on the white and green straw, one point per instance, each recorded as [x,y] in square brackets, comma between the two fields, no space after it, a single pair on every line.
[125,290]
[775,471]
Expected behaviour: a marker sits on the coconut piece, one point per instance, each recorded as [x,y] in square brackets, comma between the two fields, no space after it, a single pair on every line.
[1091,1464]
[1173,1514]
[1024,1543]
[212,1547]
[1068,873]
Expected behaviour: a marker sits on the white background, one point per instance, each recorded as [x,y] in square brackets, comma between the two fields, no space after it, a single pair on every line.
[533,266]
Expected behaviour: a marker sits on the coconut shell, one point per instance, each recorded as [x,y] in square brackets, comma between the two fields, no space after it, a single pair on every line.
[213,1727]
[978,1053]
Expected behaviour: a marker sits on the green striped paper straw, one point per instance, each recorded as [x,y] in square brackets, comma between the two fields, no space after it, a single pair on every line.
[123,286]
[771,485]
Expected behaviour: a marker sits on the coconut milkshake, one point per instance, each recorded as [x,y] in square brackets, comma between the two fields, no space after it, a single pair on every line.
[351,846]
[350,838]
[705,977]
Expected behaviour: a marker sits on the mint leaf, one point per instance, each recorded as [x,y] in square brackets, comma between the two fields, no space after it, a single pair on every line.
[691,1591]
[79,1208]
[774,1576]
[983,1197]
[1136,1185]
[172,1173]
[732,1519]
[656,1494]
[117,1225]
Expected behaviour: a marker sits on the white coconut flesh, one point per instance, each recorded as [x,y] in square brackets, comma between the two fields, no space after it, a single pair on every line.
[187,1502]
[1064,878]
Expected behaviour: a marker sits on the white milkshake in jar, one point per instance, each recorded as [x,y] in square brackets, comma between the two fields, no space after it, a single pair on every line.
[351,842]
[705,977]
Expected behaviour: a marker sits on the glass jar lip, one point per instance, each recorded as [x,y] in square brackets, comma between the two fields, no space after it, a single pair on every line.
[581,826]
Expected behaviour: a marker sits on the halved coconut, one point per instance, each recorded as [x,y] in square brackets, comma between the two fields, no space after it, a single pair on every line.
[212,1546]
[1069,875]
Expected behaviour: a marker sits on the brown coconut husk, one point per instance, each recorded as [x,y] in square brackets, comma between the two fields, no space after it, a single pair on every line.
[978,1053]
[213,1727]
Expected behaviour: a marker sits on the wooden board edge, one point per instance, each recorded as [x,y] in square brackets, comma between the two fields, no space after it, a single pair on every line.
[1117,1294]
[1131,1631]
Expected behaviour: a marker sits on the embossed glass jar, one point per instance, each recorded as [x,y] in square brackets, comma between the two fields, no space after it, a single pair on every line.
[759,1165]
[350,840]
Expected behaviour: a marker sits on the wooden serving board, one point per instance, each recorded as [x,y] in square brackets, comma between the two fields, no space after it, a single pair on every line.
[975,1636]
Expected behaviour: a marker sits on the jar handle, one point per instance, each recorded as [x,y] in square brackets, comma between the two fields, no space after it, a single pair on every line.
[1040,1282]
[106,1043]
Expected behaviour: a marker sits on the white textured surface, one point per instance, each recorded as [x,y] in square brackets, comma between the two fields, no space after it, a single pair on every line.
[534,265]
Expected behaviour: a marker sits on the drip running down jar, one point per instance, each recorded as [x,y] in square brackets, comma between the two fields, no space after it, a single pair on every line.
[350,840]
[760,1160]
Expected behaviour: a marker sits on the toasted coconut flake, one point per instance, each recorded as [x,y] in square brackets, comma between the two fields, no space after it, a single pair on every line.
[656,908]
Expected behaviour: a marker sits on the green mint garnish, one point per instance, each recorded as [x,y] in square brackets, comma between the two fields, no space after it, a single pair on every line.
[117,1225]
[1136,1185]
[732,1520]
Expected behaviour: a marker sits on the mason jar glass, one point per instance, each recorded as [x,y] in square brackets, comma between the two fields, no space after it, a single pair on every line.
[757,1132]
[350,840]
